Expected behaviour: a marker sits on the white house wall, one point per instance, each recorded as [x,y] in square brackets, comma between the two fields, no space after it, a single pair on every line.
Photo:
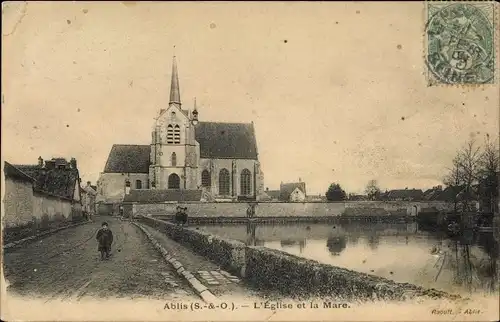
[111,186]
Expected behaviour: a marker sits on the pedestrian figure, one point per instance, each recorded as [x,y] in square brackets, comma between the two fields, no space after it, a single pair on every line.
[178,215]
[251,210]
[105,239]
[184,217]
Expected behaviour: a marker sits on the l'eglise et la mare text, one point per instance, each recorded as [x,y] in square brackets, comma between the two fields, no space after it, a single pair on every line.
[302,305]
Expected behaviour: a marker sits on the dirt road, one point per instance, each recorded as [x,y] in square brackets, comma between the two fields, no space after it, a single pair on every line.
[66,265]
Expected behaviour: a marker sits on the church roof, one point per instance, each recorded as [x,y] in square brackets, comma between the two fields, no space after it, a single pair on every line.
[152,196]
[128,159]
[217,141]
[226,140]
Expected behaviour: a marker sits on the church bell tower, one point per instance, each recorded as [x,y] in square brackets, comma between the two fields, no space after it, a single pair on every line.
[174,151]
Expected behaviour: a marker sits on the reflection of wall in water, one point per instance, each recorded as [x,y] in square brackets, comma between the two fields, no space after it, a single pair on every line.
[301,231]
[292,243]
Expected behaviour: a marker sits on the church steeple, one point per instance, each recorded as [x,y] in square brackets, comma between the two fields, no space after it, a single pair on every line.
[175,94]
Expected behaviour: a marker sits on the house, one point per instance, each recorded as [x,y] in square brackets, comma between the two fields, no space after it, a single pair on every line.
[293,192]
[18,198]
[89,193]
[404,195]
[433,193]
[272,195]
[220,159]
[42,195]
[316,198]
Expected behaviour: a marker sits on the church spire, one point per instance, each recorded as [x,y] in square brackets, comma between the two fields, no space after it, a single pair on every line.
[175,94]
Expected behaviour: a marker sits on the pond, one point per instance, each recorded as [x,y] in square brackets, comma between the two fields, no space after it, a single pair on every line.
[400,252]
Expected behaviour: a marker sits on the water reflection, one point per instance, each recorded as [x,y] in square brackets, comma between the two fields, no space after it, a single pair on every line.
[336,245]
[401,252]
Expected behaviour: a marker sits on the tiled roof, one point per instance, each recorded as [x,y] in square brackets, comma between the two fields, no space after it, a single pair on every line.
[226,140]
[217,140]
[128,159]
[56,182]
[287,188]
[152,196]
[275,194]
[405,193]
[14,173]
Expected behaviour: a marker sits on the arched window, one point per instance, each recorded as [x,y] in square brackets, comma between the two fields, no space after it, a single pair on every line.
[170,134]
[245,182]
[224,182]
[138,184]
[177,135]
[174,159]
[205,179]
[174,182]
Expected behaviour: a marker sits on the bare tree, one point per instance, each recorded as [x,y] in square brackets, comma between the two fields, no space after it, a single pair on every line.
[454,180]
[465,173]
[372,190]
[489,168]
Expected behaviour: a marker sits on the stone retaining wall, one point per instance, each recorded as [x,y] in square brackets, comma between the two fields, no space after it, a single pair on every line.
[281,209]
[229,254]
[291,275]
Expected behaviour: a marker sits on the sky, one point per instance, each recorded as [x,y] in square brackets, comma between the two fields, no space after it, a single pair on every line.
[337,91]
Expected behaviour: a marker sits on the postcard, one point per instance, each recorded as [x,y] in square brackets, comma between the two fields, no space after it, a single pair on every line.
[250,161]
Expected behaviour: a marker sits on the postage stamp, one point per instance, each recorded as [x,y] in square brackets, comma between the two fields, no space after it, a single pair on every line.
[460,43]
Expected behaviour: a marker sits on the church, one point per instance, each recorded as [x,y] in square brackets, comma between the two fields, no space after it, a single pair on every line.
[186,160]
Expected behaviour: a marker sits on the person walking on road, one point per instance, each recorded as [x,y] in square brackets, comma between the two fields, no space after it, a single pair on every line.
[105,239]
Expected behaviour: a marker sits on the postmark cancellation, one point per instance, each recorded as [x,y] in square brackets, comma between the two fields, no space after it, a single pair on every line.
[460,42]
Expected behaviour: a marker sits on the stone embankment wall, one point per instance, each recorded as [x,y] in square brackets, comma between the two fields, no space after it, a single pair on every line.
[290,275]
[281,209]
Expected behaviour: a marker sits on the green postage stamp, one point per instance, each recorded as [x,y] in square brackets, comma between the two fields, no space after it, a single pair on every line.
[461,42]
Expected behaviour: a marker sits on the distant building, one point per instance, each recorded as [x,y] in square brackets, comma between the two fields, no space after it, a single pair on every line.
[316,198]
[272,195]
[433,194]
[293,192]
[89,194]
[403,195]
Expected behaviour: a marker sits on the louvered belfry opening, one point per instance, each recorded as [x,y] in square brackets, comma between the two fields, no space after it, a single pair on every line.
[177,134]
[170,134]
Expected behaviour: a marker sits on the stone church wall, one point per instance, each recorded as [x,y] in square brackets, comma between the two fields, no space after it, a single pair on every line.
[216,165]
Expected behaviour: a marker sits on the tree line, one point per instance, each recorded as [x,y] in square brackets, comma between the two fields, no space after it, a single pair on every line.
[473,176]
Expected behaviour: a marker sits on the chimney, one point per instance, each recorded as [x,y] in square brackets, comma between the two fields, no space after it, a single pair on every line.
[73,163]
[88,183]
[40,162]
[267,189]
[300,180]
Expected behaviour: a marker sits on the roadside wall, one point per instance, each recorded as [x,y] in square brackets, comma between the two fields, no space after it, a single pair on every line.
[291,275]
[281,209]
[28,212]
